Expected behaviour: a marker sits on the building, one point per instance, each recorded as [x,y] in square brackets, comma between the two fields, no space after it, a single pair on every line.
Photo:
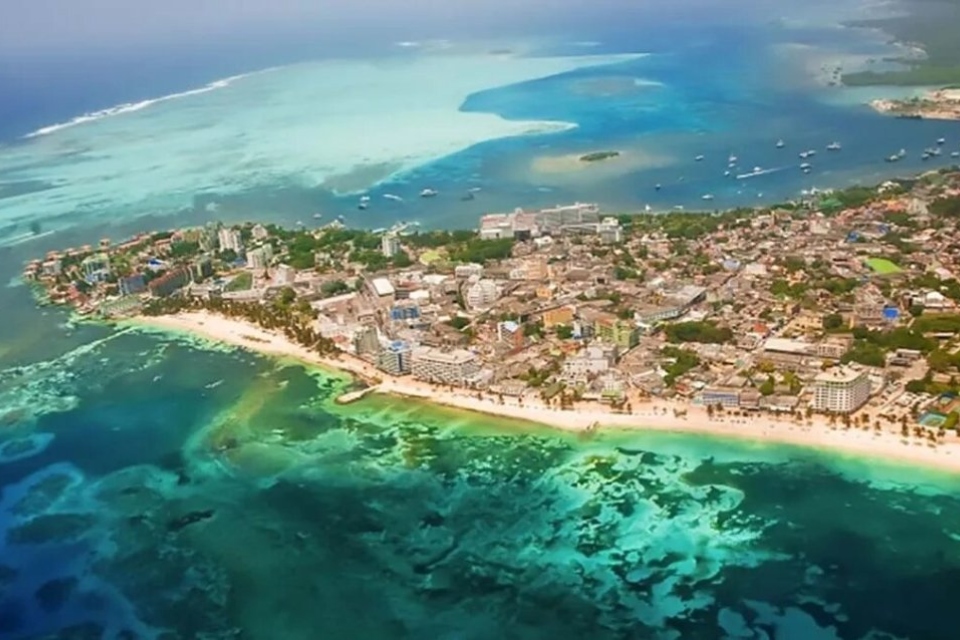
[510,333]
[482,294]
[259,232]
[96,268]
[468,270]
[453,367]
[389,245]
[285,274]
[366,341]
[257,259]
[593,360]
[562,218]
[840,390]
[610,231]
[557,317]
[395,358]
[405,312]
[724,397]
[201,269]
[229,239]
[623,333]
[381,288]
[131,285]
[169,282]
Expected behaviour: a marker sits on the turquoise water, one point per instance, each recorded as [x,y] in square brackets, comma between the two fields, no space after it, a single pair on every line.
[184,492]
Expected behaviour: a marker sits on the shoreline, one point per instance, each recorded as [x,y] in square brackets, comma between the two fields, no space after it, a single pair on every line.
[656,415]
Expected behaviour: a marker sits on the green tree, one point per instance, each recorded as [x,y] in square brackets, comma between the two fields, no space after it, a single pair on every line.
[564,332]
[768,386]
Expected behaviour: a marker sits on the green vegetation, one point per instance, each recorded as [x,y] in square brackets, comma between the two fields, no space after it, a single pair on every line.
[597,156]
[481,251]
[870,347]
[945,207]
[833,322]
[882,266]
[334,288]
[703,332]
[564,332]
[242,282]
[684,360]
[938,323]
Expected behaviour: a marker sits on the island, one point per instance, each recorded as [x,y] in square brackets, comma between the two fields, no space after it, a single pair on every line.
[827,321]
[598,156]
[940,104]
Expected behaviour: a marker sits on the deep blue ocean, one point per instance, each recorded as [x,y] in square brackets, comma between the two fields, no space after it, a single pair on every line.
[157,487]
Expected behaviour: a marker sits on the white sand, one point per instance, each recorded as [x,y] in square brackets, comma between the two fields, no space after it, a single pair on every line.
[657,415]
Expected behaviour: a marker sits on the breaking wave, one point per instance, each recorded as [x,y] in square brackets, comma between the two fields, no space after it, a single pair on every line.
[130,107]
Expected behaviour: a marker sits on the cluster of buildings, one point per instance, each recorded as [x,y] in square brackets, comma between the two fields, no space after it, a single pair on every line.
[752,311]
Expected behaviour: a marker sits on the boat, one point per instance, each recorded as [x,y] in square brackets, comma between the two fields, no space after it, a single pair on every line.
[902,153]
[727,172]
[955,154]
[428,193]
[698,158]
[317,216]
[657,187]
[806,169]
[364,198]
[941,141]
[732,159]
[707,196]
[834,146]
[362,206]
[894,158]
[390,196]
[934,151]
[806,166]
[473,189]
[780,144]
[758,169]
[811,152]
[804,155]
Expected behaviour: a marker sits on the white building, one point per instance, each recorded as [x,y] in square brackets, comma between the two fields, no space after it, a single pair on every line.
[841,390]
[468,270]
[389,245]
[453,367]
[381,288]
[229,239]
[260,232]
[482,294]
[610,231]
[285,274]
[257,259]
[592,360]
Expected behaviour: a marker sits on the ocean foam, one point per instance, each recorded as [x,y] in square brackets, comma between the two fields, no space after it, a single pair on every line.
[302,125]
[131,107]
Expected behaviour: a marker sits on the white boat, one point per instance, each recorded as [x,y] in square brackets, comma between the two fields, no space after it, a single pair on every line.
[364,198]
[955,154]
[474,189]
[902,153]
[317,216]
[758,169]
[657,187]
[804,155]
[811,152]
[362,206]
[707,196]
[834,146]
[428,193]
[732,159]
[780,144]
[941,141]
[698,158]
[727,172]
[805,165]
[390,196]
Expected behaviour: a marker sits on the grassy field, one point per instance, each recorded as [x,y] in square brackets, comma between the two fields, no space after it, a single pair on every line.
[883,266]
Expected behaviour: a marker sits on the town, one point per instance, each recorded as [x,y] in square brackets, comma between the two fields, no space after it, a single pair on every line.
[842,303]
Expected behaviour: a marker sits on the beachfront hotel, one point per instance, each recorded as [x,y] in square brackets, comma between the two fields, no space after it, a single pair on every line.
[840,390]
[454,367]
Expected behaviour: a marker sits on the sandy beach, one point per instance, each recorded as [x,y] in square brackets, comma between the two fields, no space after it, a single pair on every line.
[661,415]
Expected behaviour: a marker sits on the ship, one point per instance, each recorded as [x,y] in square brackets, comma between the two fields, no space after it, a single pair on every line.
[428,193]
[698,158]
[780,144]
[317,216]
[707,196]
[955,154]
[805,166]
[732,159]
[941,141]
[834,146]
